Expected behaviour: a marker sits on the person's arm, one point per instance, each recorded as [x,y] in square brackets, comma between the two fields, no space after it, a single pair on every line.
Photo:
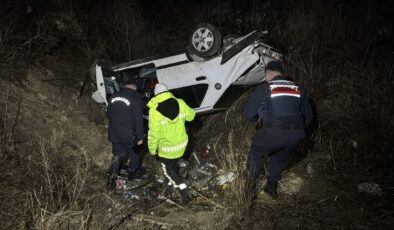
[190,113]
[252,107]
[139,121]
[154,131]
[108,113]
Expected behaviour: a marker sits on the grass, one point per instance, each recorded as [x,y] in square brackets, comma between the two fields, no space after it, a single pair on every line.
[354,122]
[46,187]
[57,202]
[229,139]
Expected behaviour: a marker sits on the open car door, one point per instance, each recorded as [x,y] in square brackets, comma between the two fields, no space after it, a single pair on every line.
[108,81]
[106,85]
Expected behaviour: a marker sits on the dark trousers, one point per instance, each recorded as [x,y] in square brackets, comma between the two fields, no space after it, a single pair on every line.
[170,170]
[123,152]
[277,145]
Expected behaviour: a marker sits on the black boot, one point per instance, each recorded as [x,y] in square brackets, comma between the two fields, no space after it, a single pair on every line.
[168,189]
[185,197]
[251,195]
[112,173]
[167,186]
[111,182]
[271,188]
[138,174]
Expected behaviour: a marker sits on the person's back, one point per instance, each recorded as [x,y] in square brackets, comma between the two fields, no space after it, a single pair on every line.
[167,133]
[283,111]
[125,129]
[280,107]
[124,113]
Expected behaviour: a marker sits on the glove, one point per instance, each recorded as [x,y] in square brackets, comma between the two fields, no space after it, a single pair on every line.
[140,142]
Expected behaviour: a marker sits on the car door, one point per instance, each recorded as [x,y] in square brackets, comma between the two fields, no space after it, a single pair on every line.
[186,81]
[106,85]
[193,95]
[109,81]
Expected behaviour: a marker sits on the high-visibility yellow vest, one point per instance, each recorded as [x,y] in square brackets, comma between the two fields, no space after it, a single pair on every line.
[168,137]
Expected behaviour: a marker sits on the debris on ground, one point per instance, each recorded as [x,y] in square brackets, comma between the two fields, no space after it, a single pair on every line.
[199,172]
[370,188]
[225,177]
[291,184]
[124,184]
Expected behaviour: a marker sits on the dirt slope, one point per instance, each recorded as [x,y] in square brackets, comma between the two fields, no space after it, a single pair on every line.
[45,121]
[55,156]
[311,195]
[54,127]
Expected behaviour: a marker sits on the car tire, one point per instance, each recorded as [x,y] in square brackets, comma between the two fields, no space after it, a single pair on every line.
[205,41]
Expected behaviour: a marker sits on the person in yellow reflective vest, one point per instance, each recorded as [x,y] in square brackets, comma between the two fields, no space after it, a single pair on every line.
[167,135]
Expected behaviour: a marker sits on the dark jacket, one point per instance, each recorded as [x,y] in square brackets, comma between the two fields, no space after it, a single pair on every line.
[125,110]
[279,101]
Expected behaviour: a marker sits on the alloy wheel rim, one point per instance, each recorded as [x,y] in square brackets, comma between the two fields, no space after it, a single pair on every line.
[202,39]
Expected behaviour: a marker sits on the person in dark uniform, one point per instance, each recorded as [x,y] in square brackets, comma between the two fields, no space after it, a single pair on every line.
[125,115]
[282,110]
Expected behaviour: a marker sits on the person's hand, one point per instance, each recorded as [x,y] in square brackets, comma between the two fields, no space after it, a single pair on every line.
[155,155]
[140,142]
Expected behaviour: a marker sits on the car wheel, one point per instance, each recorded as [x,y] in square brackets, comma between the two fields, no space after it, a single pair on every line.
[205,41]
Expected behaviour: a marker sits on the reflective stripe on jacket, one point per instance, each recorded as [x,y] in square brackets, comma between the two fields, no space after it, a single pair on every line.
[167,136]
[279,100]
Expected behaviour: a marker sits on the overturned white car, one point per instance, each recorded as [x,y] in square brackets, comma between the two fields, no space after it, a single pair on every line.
[209,76]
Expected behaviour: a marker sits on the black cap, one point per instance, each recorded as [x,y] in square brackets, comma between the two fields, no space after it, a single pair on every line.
[274,66]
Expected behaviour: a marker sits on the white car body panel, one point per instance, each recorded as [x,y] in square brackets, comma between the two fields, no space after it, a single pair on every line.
[246,67]
[180,76]
[100,95]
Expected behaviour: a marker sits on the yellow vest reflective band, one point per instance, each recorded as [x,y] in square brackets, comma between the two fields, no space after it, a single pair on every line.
[170,149]
[168,137]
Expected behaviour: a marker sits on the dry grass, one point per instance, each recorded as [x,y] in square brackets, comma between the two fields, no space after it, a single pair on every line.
[351,97]
[233,161]
[352,143]
[57,203]
[42,187]
[229,136]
